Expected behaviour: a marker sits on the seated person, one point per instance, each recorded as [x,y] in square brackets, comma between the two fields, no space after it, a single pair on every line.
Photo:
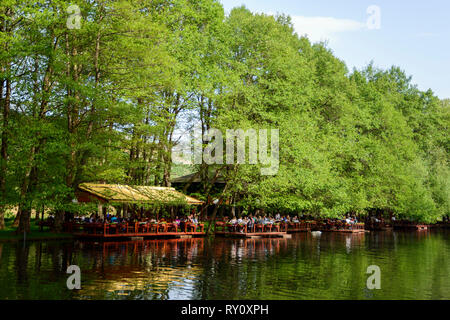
[250,222]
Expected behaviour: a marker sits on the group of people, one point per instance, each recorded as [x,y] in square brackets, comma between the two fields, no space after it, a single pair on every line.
[350,220]
[250,221]
[108,218]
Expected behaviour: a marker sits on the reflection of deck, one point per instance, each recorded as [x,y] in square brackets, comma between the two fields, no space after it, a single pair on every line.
[345,230]
[277,234]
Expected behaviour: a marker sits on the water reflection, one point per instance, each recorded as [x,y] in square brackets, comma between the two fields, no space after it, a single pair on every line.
[330,266]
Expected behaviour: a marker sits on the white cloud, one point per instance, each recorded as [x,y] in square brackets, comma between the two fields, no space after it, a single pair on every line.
[325,28]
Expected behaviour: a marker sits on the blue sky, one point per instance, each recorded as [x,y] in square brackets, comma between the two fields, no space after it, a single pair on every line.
[414,35]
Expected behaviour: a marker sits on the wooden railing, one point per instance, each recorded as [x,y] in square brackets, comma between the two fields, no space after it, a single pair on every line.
[339,225]
[246,228]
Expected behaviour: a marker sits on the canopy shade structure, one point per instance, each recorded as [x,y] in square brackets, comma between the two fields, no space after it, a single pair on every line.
[133,194]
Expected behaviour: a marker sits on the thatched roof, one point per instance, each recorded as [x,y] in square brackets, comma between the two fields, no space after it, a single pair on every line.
[145,194]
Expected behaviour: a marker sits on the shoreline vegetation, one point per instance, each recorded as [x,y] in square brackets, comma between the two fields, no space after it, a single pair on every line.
[35,233]
[107,100]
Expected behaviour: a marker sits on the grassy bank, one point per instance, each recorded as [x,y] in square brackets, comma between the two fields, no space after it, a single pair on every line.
[8,234]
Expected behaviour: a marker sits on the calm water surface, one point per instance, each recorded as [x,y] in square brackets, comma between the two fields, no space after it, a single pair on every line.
[414,265]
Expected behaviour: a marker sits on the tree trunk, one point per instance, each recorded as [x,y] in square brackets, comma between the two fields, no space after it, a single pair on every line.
[17,218]
[59,219]
[212,221]
[24,221]
[5,102]
[4,150]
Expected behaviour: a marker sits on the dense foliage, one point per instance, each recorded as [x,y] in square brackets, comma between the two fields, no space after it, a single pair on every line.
[103,102]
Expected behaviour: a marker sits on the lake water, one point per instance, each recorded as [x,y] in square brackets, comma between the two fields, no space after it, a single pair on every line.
[414,265]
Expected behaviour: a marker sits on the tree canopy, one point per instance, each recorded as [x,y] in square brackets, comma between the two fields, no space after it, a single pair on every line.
[103,102]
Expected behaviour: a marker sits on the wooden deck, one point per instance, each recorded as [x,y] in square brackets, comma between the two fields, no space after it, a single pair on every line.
[133,230]
[341,227]
[377,226]
[407,226]
[295,230]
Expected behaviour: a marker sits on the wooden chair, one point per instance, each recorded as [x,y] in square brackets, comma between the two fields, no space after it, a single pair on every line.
[162,227]
[121,228]
[183,226]
[143,227]
[172,227]
[259,228]
[113,228]
[153,227]
[106,228]
[131,227]
[191,227]
[98,228]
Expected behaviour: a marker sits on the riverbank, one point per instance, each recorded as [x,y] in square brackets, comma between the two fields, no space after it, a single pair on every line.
[8,234]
